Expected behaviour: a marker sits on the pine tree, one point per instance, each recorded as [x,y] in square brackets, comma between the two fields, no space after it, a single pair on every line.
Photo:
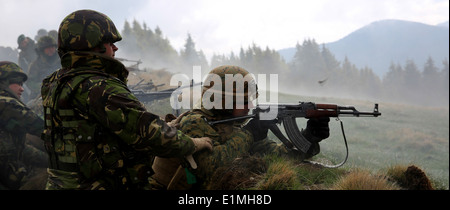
[392,82]
[191,57]
[141,43]
[411,88]
[444,84]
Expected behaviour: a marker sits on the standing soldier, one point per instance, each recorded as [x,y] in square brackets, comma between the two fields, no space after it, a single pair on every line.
[46,63]
[53,34]
[17,158]
[98,135]
[40,33]
[27,52]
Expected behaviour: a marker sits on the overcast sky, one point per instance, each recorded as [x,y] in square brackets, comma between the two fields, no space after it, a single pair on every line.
[224,26]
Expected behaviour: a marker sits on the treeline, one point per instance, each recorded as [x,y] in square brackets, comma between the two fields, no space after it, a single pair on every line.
[313,71]
[155,50]
[409,83]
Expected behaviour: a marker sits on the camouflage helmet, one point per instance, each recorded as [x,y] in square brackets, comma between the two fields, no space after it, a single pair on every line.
[237,83]
[44,42]
[84,30]
[20,38]
[10,70]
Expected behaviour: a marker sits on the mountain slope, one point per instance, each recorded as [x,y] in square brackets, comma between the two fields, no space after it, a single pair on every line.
[380,43]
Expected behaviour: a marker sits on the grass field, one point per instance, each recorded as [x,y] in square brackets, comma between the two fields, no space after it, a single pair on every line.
[402,135]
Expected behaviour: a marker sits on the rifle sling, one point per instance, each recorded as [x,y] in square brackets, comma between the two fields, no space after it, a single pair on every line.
[346,149]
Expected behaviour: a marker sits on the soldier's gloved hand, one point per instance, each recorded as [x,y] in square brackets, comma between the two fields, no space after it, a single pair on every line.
[202,143]
[258,128]
[317,129]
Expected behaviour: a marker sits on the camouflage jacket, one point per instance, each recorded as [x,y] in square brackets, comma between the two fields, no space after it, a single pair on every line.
[99,135]
[16,156]
[27,56]
[229,142]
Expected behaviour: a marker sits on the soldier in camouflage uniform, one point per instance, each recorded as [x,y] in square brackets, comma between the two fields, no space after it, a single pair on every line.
[46,63]
[27,52]
[98,135]
[230,140]
[17,158]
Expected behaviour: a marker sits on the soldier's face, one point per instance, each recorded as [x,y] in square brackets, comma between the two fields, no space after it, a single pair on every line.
[241,112]
[110,49]
[50,51]
[16,89]
[24,43]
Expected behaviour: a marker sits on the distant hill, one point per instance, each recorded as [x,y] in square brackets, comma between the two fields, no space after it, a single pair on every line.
[380,43]
[444,24]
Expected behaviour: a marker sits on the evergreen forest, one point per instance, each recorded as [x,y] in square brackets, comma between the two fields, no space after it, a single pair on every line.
[313,71]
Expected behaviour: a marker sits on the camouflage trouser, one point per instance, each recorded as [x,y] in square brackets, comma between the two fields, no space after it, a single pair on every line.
[268,146]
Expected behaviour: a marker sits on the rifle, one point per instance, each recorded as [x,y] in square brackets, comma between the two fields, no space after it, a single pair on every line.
[148,97]
[134,67]
[286,114]
[146,86]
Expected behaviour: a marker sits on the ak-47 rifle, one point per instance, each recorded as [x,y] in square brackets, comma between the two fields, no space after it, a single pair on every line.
[287,113]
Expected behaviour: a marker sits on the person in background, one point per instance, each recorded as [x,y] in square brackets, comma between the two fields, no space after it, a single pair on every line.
[27,52]
[18,159]
[46,63]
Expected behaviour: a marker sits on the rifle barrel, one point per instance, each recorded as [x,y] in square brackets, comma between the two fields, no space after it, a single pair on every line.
[359,114]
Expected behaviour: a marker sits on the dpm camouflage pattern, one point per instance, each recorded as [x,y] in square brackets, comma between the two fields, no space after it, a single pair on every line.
[99,136]
[229,142]
[84,30]
[16,117]
[9,69]
[16,157]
